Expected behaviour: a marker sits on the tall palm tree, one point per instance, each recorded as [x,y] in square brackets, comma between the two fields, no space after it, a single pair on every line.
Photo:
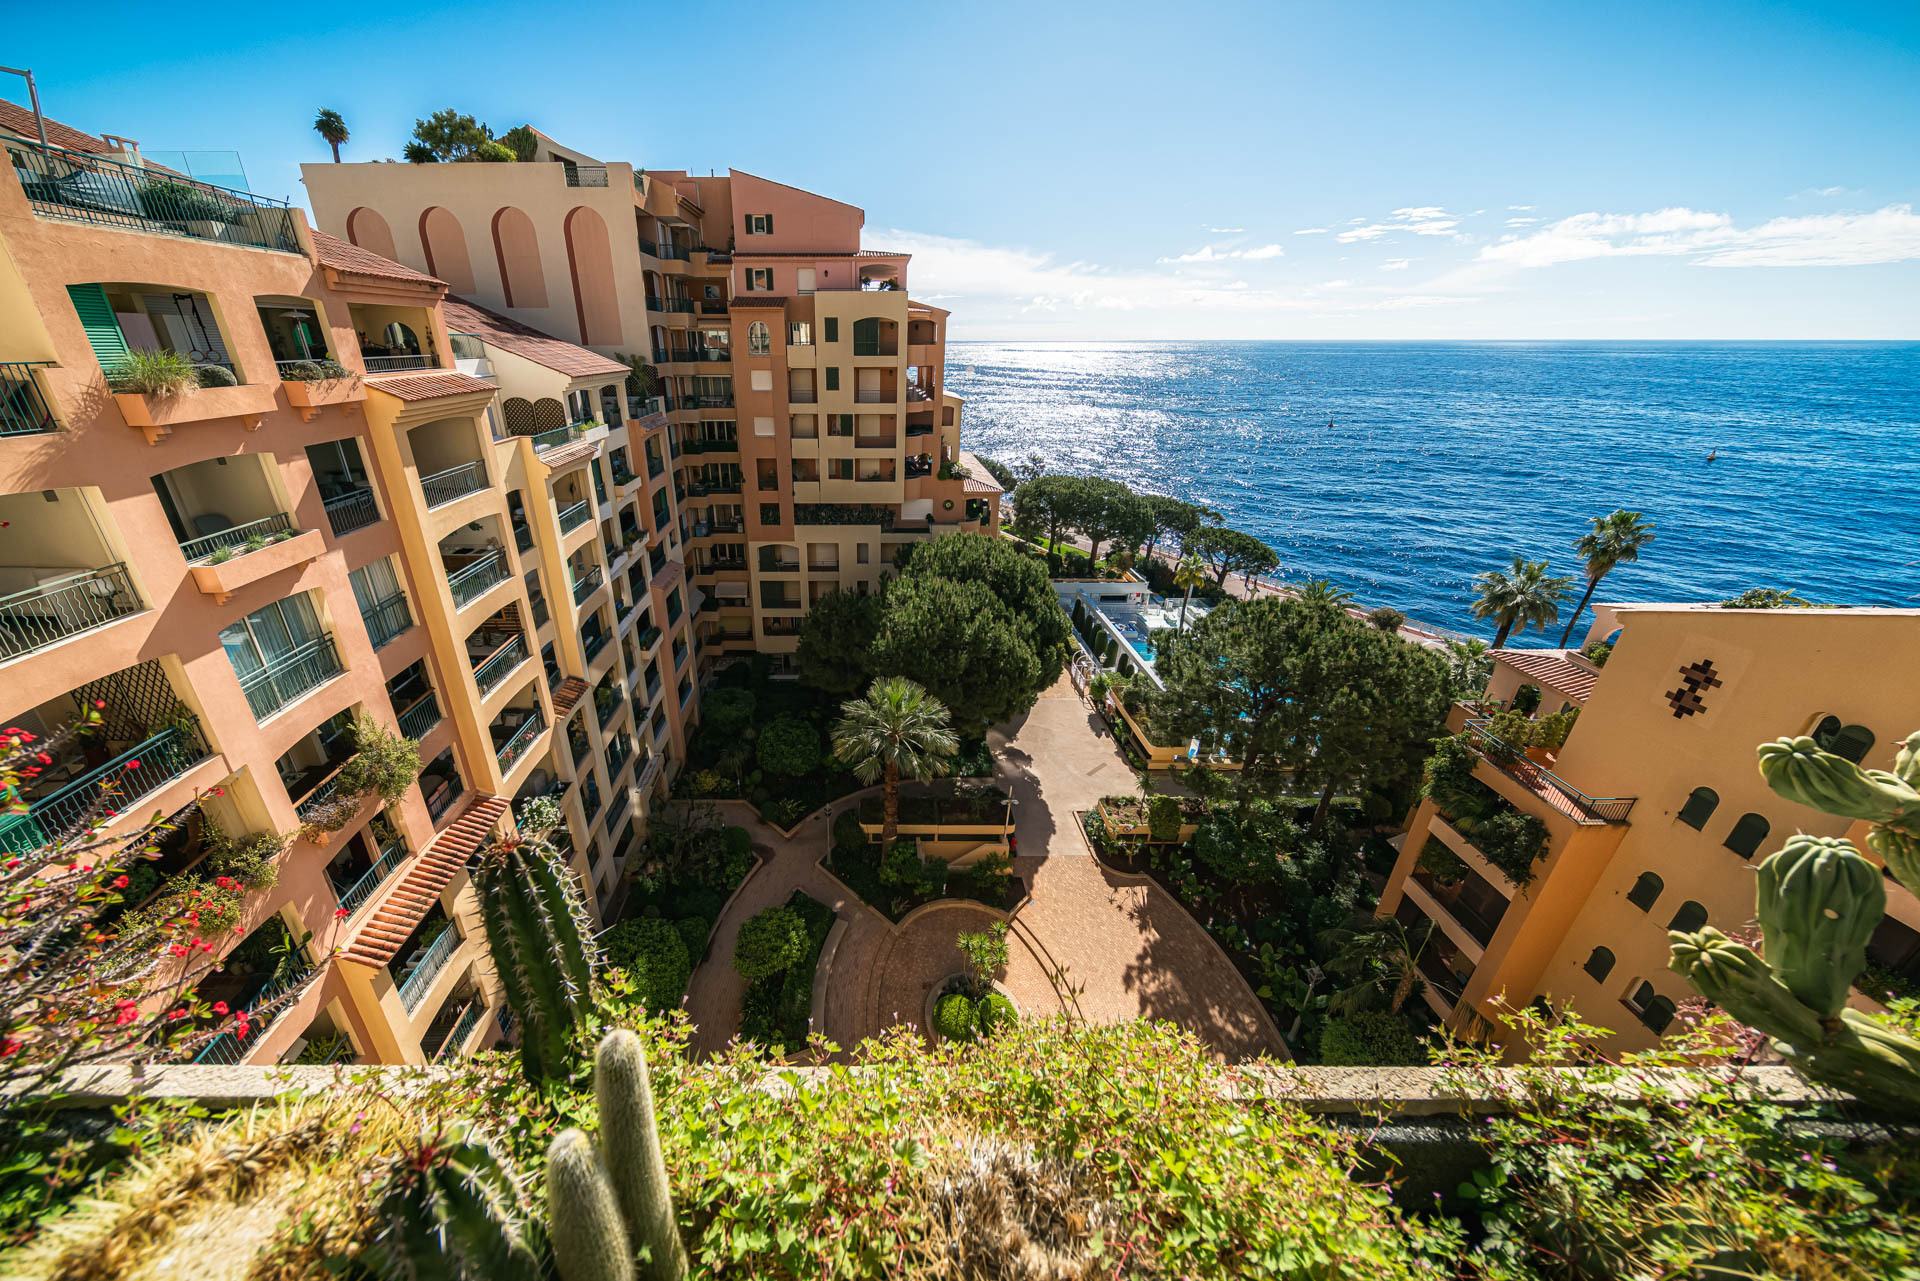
[1527,596]
[896,730]
[1615,540]
[330,125]
[1187,575]
[1321,591]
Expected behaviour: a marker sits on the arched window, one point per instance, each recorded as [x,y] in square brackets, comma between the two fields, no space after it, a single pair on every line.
[1526,699]
[1645,891]
[866,337]
[1850,742]
[1747,834]
[1689,918]
[1700,805]
[400,340]
[759,339]
[1652,1009]
[1600,964]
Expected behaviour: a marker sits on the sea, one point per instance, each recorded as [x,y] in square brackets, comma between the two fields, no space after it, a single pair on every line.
[1401,470]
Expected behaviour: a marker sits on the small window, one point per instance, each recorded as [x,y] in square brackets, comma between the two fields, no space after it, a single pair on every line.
[860,553]
[759,224]
[1689,918]
[799,333]
[1747,834]
[1652,1009]
[1849,742]
[1600,964]
[769,513]
[759,339]
[1646,891]
[830,329]
[760,279]
[833,378]
[1700,805]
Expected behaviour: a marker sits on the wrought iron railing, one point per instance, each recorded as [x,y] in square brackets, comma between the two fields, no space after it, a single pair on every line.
[591,643]
[557,437]
[648,247]
[420,716]
[586,584]
[48,614]
[469,1019]
[395,364]
[352,510]
[355,896]
[310,805]
[90,188]
[586,175]
[454,482]
[523,537]
[684,305]
[228,1048]
[1544,783]
[280,683]
[426,966]
[238,536]
[574,515]
[24,410]
[515,747]
[472,580]
[439,802]
[713,306]
[386,619]
[114,785]
[496,665]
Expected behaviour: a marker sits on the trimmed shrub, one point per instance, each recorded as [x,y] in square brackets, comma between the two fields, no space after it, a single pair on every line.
[1163,819]
[996,1012]
[1513,842]
[1387,618]
[693,932]
[726,711]
[789,746]
[654,955]
[1598,653]
[847,836]
[216,376]
[1371,1038]
[954,1017]
[769,943]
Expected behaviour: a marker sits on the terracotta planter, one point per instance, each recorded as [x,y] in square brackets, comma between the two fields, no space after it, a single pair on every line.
[157,416]
[221,581]
[310,397]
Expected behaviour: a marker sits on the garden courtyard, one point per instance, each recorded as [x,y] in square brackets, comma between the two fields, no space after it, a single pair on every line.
[1085,940]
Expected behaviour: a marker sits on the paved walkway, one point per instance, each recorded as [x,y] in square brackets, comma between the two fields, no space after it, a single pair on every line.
[1087,941]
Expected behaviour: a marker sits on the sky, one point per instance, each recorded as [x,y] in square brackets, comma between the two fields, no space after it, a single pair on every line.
[1119,171]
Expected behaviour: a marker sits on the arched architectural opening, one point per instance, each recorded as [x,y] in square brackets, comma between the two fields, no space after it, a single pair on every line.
[759,339]
[1600,964]
[516,249]
[1689,918]
[1849,742]
[1701,803]
[1652,1009]
[518,412]
[446,249]
[590,263]
[1747,834]
[1646,891]
[367,229]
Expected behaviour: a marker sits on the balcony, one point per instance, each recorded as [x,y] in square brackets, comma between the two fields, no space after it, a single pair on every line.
[356,895]
[671,305]
[711,400]
[420,716]
[559,436]
[24,407]
[354,509]
[66,808]
[495,667]
[424,966]
[713,306]
[513,732]
[443,487]
[80,187]
[874,396]
[1543,783]
[775,562]
[286,680]
[586,583]
[575,515]
[584,175]
[448,1033]
[474,578]
[65,603]
[592,642]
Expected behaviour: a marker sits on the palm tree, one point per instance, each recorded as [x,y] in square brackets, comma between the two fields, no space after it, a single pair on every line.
[1370,959]
[1615,540]
[1527,596]
[1321,591]
[897,730]
[329,125]
[1468,667]
[1188,574]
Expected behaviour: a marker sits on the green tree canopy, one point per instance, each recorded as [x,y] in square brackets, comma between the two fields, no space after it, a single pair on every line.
[1230,551]
[1000,472]
[1048,504]
[1106,510]
[790,745]
[836,642]
[449,135]
[524,142]
[1527,596]
[1174,519]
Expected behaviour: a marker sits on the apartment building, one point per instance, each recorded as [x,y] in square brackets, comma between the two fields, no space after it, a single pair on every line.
[808,433]
[238,570]
[1655,810]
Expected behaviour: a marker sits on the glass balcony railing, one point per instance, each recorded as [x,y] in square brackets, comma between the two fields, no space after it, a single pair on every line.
[356,895]
[499,663]
[574,515]
[352,510]
[280,683]
[24,410]
[557,437]
[386,619]
[420,716]
[62,607]
[455,482]
[471,581]
[116,784]
[516,747]
[425,967]
[88,188]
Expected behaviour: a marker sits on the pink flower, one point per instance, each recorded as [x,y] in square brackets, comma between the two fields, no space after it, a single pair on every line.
[339,913]
[133,764]
[176,949]
[126,1014]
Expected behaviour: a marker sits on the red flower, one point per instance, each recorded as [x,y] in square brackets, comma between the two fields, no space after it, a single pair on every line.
[176,1014]
[126,1015]
[176,949]
[133,764]
[43,758]
[120,882]
[339,913]
[8,1048]
[99,703]
[218,791]
[219,1007]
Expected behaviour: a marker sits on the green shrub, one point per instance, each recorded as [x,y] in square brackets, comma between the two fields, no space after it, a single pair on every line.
[694,931]
[769,943]
[1513,842]
[954,1017]
[1551,732]
[494,152]
[1515,732]
[1449,780]
[249,861]
[179,202]
[1598,653]
[216,376]
[384,762]
[1387,618]
[153,371]
[982,955]
[1371,1038]
[655,957]
[1441,863]
[301,371]
[1163,819]
[996,1012]
[789,746]
[726,711]
[848,838]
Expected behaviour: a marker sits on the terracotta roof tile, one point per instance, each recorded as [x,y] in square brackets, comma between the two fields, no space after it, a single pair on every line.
[18,120]
[418,891]
[508,334]
[982,481]
[338,254]
[1552,667]
[429,386]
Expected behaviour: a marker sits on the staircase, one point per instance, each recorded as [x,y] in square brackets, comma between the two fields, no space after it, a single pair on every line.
[567,697]
[420,886]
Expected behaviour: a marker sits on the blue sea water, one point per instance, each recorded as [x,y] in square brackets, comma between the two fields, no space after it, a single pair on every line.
[1401,470]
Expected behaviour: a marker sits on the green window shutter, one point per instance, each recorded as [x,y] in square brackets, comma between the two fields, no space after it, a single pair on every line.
[769,224]
[833,328]
[103,330]
[833,378]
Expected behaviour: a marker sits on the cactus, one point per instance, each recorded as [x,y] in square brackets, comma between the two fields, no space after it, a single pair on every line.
[1819,902]
[453,1208]
[583,1215]
[542,946]
[624,1090]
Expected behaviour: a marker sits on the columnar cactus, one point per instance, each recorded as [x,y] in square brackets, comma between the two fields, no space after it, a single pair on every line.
[1819,903]
[543,948]
[453,1207]
[605,1207]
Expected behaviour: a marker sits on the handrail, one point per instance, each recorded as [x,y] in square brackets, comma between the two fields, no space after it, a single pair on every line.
[1544,783]
[427,966]
[352,510]
[574,515]
[144,768]
[320,793]
[511,750]
[48,614]
[387,618]
[24,408]
[416,726]
[469,1019]
[587,584]
[455,482]
[472,580]
[374,877]
[226,1047]
[394,364]
[557,437]
[495,666]
[279,684]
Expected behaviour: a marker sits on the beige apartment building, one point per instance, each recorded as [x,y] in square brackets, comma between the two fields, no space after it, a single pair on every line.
[1654,807]
[239,569]
[808,433]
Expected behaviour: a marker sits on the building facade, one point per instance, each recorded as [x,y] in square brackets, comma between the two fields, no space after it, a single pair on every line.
[1654,807]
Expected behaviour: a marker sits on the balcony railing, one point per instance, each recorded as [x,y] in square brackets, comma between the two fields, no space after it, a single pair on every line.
[390,858]
[386,619]
[352,510]
[574,515]
[426,967]
[557,437]
[23,409]
[471,581]
[395,364]
[455,482]
[228,1048]
[722,400]
[114,785]
[502,661]
[586,175]
[874,396]
[515,747]
[591,643]
[1544,783]
[421,716]
[669,304]
[280,683]
[713,306]
[469,1018]
[50,613]
[89,188]
[588,583]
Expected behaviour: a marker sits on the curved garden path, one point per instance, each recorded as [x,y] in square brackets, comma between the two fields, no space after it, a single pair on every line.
[1087,940]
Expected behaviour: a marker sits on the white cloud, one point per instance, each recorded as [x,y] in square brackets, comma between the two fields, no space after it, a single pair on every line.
[1211,253]
[1521,222]
[1226,231]
[1520,208]
[1824,193]
[1891,234]
[1421,220]
[1311,231]
[1395,264]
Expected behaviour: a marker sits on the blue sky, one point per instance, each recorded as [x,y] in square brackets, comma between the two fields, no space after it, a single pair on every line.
[1159,171]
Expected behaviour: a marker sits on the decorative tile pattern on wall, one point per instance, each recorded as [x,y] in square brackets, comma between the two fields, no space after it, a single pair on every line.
[1695,680]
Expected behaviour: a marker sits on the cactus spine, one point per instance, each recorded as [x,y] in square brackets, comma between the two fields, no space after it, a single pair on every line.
[542,945]
[601,1210]
[453,1207]
[631,1140]
[1819,901]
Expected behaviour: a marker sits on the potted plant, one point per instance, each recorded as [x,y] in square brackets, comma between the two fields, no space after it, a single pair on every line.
[153,371]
